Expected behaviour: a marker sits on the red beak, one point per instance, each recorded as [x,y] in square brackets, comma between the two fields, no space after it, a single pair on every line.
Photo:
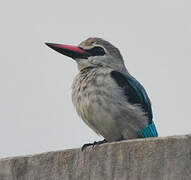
[74,52]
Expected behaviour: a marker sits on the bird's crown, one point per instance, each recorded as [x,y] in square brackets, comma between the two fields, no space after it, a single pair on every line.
[93,42]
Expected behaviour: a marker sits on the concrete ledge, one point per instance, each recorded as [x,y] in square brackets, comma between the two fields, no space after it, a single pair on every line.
[166,158]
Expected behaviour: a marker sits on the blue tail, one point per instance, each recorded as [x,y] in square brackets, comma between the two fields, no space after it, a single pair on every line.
[149,131]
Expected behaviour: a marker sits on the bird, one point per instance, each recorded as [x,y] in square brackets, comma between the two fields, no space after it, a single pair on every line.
[106,96]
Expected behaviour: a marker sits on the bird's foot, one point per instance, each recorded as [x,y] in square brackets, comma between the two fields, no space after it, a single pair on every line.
[93,144]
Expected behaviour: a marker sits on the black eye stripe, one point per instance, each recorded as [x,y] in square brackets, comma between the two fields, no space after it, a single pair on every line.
[96,51]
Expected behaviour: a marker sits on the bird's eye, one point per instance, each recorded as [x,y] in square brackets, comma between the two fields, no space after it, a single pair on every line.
[96,51]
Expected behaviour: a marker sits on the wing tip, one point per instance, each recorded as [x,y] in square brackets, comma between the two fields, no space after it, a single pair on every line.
[149,131]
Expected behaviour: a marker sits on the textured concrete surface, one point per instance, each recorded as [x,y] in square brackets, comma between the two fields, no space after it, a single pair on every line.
[166,158]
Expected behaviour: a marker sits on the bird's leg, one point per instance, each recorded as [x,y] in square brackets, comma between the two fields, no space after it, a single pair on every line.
[93,144]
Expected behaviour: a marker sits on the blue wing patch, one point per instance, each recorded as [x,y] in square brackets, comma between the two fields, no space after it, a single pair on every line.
[134,92]
[149,131]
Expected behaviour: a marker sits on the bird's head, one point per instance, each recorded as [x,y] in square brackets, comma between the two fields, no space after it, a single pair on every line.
[92,52]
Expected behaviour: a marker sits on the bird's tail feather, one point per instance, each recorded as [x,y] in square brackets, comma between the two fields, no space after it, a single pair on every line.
[149,131]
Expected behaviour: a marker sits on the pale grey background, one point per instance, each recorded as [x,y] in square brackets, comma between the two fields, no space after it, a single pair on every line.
[36,112]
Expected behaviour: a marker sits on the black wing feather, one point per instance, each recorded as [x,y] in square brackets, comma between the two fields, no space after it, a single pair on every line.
[134,92]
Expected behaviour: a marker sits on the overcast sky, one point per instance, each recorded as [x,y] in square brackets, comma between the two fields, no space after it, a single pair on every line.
[36,112]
